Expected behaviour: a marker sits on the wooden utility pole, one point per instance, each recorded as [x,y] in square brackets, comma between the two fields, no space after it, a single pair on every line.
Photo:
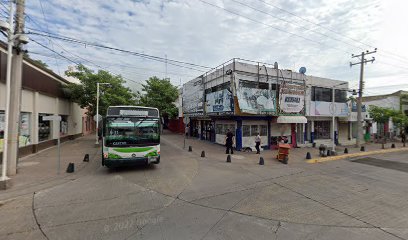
[360,89]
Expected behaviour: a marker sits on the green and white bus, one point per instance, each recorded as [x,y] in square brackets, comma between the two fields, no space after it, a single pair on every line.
[131,136]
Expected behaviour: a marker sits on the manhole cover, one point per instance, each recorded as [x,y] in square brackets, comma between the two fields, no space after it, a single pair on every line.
[399,166]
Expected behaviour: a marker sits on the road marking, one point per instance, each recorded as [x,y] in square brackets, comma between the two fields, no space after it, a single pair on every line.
[359,154]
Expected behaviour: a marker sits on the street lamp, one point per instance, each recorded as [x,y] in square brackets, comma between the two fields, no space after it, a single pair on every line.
[97,112]
[11,37]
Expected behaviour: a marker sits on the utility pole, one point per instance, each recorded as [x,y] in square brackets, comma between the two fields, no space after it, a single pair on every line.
[15,90]
[360,89]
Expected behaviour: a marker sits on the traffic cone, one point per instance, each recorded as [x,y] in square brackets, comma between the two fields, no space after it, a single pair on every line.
[190,149]
[229,158]
[345,150]
[261,161]
[308,155]
[202,154]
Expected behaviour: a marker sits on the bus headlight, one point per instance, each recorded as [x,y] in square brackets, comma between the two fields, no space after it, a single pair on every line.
[105,155]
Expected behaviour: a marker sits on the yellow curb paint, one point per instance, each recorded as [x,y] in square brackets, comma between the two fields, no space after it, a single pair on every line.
[359,154]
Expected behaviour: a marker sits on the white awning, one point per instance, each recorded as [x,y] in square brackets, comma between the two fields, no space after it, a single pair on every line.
[292,119]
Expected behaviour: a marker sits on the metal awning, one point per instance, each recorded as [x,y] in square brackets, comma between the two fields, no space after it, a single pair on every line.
[292,119]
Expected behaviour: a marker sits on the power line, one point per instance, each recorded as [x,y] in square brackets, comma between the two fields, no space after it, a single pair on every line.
[182,64]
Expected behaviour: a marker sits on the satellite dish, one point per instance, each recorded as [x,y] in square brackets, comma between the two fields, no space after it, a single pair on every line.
[302,70]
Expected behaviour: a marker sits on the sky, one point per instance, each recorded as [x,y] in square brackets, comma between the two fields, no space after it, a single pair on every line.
[320,35]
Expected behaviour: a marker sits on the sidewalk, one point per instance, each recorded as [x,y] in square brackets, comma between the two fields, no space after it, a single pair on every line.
[297,156]
[39,169]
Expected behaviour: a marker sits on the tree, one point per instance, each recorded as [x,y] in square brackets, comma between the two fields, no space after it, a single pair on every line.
[401,121]
[381,115]
[85,92]
[161,94]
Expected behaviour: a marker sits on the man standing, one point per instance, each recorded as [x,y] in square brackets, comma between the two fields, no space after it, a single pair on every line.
[257,143]
[229,141]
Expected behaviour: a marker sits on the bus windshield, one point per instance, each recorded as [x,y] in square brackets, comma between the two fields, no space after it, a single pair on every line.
[132,131]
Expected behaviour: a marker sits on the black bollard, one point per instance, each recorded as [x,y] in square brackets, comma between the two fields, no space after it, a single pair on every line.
[70,168]
[190,149]
[393,145]
[261,161]
[313,144]
[285,160]
[86,158]
[362,148]
[345,150]
[308,155]
[229,158]
[328,152]
[202,154]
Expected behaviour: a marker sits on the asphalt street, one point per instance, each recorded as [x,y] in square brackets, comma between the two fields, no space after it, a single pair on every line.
[190,197]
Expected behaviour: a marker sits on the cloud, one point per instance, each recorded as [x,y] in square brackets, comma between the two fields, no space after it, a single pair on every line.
[192,31]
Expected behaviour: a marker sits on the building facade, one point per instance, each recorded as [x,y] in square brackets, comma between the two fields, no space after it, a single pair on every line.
[250,98]
[42,95]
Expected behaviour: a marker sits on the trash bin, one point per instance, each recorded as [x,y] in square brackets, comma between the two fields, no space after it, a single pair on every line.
[283,152]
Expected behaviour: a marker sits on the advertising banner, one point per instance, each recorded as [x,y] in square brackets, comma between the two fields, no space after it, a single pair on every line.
[219,101]
[328,109]
[255,100]
[193,97]
[291,98]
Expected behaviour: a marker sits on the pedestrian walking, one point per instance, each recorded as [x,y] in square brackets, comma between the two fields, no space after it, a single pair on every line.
[229,141]
[257,143]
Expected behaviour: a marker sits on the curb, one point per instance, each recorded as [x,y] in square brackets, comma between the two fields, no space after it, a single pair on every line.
[326,159]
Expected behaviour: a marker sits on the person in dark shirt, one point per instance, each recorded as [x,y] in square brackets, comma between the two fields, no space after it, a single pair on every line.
[229,141]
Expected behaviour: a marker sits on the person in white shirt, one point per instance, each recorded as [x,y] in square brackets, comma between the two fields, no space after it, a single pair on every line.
[257,143]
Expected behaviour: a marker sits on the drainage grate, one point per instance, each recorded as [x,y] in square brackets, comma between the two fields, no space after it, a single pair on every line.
[399,166]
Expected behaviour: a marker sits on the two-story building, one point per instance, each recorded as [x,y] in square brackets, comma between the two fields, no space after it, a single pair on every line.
[250,97]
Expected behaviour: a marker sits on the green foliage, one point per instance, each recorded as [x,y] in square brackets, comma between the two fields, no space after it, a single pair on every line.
[39,62]
[380,114]
[401,120]
[161,94]
[85,92]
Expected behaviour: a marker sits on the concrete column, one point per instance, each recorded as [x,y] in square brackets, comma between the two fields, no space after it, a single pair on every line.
[34,119]
[14,115]
[350,130]
[312,131]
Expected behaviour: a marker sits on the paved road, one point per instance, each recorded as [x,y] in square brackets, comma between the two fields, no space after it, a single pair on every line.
[189,197]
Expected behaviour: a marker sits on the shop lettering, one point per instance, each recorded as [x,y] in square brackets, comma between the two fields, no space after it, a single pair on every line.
[292,99]
[119,143]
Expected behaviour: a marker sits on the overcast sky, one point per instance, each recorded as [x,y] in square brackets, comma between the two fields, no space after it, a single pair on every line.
[319,35]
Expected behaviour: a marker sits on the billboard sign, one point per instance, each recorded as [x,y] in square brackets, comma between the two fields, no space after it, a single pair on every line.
[255,100]
[193,97]
[291,98]
[219,101]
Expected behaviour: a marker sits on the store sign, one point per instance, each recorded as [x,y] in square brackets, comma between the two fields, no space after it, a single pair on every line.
[193,97]
[291,98]
[131,112]
[328,109]
[220,101]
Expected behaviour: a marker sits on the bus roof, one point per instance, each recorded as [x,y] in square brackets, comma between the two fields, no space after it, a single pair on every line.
[132,111]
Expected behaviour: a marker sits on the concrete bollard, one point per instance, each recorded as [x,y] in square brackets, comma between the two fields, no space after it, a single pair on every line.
[345,150]
[70,168]
[261,161]
[362,149]
[393,145]
[190,149]
[202,154]
[308,155]
[86,158]
[328,153]
[229,158]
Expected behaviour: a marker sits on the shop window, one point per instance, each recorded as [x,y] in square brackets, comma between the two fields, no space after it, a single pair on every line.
[246,130]
[322,129]
[25,129]
[231,127]
[44,128]
[340,96]
[264,130]
[219,129]
[64,125]
[321,94]
[254,130]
